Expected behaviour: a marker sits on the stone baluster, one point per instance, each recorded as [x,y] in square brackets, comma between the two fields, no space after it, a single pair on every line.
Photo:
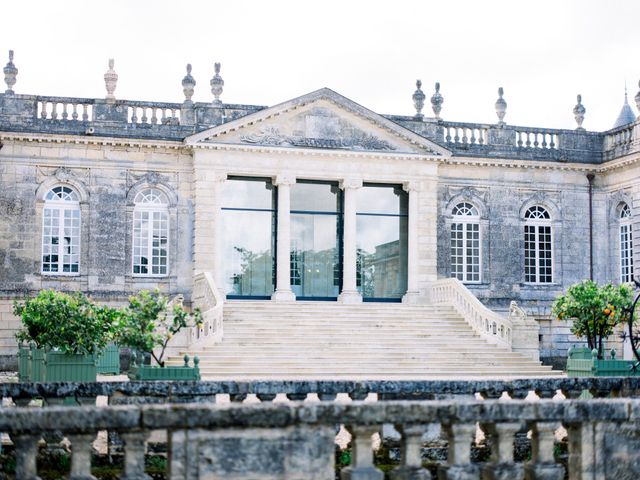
[542,464]
[74,113]
[143,118]
[135,447]
[582,461]
[54,110]
[448,136]
[43,111]
[65,115]
[361,467]
[154,118]
[134,114]
[459,436]
[283,291]
[350,292]
[502,464]
[26,448]
[413,293]
[81,456]
[85,115]
[411,464]
[266,397]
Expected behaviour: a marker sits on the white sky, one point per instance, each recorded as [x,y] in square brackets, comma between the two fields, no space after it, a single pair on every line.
[543,53]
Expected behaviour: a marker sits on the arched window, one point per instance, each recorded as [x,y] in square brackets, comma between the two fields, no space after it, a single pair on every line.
[538,246]
[150,233]
[626,245]
[465,243]
[61,231]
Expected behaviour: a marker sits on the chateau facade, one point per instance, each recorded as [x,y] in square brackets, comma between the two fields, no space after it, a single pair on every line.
[317,198]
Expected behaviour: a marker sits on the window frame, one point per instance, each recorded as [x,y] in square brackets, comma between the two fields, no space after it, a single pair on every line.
[537,224]
[60,206]
[466,220]
[625,223]
[151,209]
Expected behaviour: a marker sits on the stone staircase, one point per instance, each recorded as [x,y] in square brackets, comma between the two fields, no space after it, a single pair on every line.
[330,341]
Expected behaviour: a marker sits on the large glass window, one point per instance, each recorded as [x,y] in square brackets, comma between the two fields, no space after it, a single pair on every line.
[315,239]
[382,220]
[248,215]
[538,246]
[626,245]
[61,232]
[465,243]
[150,233]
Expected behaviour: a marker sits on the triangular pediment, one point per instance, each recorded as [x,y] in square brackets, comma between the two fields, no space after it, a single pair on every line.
[319,120]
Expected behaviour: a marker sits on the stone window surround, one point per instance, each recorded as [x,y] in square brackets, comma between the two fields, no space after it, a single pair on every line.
[624,217]
[152,208]
[539,222]
[172,242]
[482,219]
[83,202]
[465,220]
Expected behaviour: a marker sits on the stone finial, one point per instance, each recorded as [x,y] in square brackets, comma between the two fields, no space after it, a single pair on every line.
[110,81]
[188,84]
[10,74]
[217,83]
[578,113]
[501,107]
[637,98]
[437,101]
[418,99]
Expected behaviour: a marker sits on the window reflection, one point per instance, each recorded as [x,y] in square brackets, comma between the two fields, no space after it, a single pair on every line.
[315,240]
[382,242]
[248,215]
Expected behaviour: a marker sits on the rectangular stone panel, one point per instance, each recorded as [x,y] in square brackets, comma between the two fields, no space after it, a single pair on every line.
[295,453]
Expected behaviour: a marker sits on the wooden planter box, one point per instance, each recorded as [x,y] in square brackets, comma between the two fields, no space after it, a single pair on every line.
[109,360]
[582,362]
[38,365]
[149,372]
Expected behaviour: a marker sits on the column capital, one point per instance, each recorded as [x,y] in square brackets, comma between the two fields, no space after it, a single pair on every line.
[411,186]
[350,183]
[284,179]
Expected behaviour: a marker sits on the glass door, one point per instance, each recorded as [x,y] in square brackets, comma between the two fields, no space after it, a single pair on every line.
[316,256]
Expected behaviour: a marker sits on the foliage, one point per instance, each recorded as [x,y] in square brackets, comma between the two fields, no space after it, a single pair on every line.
[70,323]
[148,322]
[595,310]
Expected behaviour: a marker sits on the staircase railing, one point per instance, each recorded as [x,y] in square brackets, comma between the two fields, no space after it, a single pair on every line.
[207,298]
[488,324]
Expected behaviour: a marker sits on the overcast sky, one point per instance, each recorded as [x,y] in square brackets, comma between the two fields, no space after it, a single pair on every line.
[543,53]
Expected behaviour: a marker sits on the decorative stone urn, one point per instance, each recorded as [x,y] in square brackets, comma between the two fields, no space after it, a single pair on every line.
[578,113]
[501,107]
[418,99]
[10,74]
[437,101]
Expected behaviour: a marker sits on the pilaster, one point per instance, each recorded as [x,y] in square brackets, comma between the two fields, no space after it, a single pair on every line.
[413,293]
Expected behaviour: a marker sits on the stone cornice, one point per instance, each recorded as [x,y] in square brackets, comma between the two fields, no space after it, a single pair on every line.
[316,152]
[90,140]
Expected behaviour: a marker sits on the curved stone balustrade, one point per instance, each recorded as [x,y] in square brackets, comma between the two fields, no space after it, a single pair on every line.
[211,441]
[207,298]
[266,391]
[621,141]
[487,323]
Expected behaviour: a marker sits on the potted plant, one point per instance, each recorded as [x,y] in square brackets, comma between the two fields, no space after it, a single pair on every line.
[66,333]
[595,312]
[147,325]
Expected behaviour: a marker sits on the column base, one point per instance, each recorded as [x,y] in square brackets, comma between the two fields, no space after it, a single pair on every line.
[412,298]
[350,297]
[283,296]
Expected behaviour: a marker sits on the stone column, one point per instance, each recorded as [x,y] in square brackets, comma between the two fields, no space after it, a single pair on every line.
[349,292]
[413,292]
[283,291]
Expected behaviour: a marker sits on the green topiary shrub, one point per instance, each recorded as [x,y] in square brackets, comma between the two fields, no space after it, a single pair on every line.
[69,323]
[594,309]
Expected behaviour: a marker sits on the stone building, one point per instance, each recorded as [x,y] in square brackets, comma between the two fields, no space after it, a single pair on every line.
[317,198]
